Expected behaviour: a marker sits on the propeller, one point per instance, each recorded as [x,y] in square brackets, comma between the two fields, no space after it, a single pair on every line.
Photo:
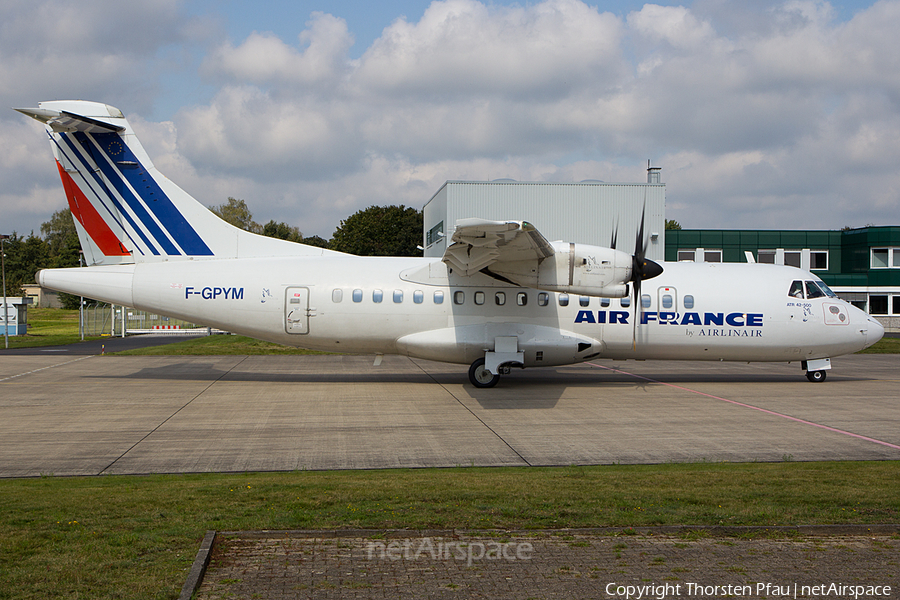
[641,268]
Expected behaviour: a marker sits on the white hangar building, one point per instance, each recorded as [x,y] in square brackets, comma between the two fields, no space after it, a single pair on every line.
[589,212]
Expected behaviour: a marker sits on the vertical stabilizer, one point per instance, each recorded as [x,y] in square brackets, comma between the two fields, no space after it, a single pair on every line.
[125,210]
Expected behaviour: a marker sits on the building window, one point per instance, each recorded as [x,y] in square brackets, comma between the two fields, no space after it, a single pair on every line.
[434,234]
[714,256]
[818,260]
[439,297]
[337,295]
[418,296]
[878,305]
[357,295]
[459,297]
[543,299]
[792,258]
[500,298]
[398,296]
[563,299]
[885,258]
[895,309]
[766,257]
[686,255]
[479,298]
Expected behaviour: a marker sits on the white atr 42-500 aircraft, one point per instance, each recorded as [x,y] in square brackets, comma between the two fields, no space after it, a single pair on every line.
[502,296]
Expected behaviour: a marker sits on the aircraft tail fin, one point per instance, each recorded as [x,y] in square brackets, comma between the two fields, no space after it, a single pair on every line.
[125,210]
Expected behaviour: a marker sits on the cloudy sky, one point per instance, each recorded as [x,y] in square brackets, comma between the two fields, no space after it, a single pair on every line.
[762,114]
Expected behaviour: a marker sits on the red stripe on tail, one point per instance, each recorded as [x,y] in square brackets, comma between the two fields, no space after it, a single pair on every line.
[90,219]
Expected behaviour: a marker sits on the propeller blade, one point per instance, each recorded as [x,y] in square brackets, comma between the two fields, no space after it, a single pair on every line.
[641,268]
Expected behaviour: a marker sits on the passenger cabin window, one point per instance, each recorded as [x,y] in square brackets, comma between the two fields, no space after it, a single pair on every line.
[645,300]
[521,298]
[357,295]
[604,302]
[563,299]
[377,296]
[459,297]
[499,298]
[418,296]
[479,298]
[796,290]
[584,300]
[398,296]
[439,297]
[337,295]
[688,302]
[625,302]
[667,302]
[543,299]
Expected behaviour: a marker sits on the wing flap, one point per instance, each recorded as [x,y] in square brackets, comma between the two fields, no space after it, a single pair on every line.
[479,243]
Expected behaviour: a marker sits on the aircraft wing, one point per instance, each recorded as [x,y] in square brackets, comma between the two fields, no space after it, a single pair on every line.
[479,243]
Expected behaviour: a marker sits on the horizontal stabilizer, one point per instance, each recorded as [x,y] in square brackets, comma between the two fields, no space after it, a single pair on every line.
[65,121]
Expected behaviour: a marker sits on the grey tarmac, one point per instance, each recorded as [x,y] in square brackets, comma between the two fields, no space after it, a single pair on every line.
[91,415]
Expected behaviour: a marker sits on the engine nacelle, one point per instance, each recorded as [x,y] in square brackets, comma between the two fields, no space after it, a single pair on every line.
[574,269]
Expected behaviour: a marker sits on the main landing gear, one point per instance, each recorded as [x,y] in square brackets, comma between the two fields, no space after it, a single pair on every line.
[480,376]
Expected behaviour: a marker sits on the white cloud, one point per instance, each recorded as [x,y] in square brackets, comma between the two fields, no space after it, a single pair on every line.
[760,113]
[263,58]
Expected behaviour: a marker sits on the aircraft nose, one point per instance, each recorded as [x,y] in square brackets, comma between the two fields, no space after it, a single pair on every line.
[876,331]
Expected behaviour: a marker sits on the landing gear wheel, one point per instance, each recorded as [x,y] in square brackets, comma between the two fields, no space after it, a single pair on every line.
[816,376]
[481,377]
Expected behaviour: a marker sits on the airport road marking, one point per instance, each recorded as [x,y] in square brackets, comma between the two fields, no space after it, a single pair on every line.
[44,368]
[762,410]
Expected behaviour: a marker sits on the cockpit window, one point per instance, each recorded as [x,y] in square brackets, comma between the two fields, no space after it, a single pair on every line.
[813,291]
[796,290]
[824,290]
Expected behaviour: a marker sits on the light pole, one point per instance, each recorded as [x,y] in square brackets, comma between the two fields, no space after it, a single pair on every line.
[3,238]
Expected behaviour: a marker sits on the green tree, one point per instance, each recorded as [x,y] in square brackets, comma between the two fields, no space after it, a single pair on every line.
[238,214]
[282,231]
[672,225]
[380,231]
[317,241]
[62,239]
[24,258]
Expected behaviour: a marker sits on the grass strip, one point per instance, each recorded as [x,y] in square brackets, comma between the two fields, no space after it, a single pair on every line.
[136,536]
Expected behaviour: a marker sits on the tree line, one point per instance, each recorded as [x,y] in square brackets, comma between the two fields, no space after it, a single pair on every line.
[374,231]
